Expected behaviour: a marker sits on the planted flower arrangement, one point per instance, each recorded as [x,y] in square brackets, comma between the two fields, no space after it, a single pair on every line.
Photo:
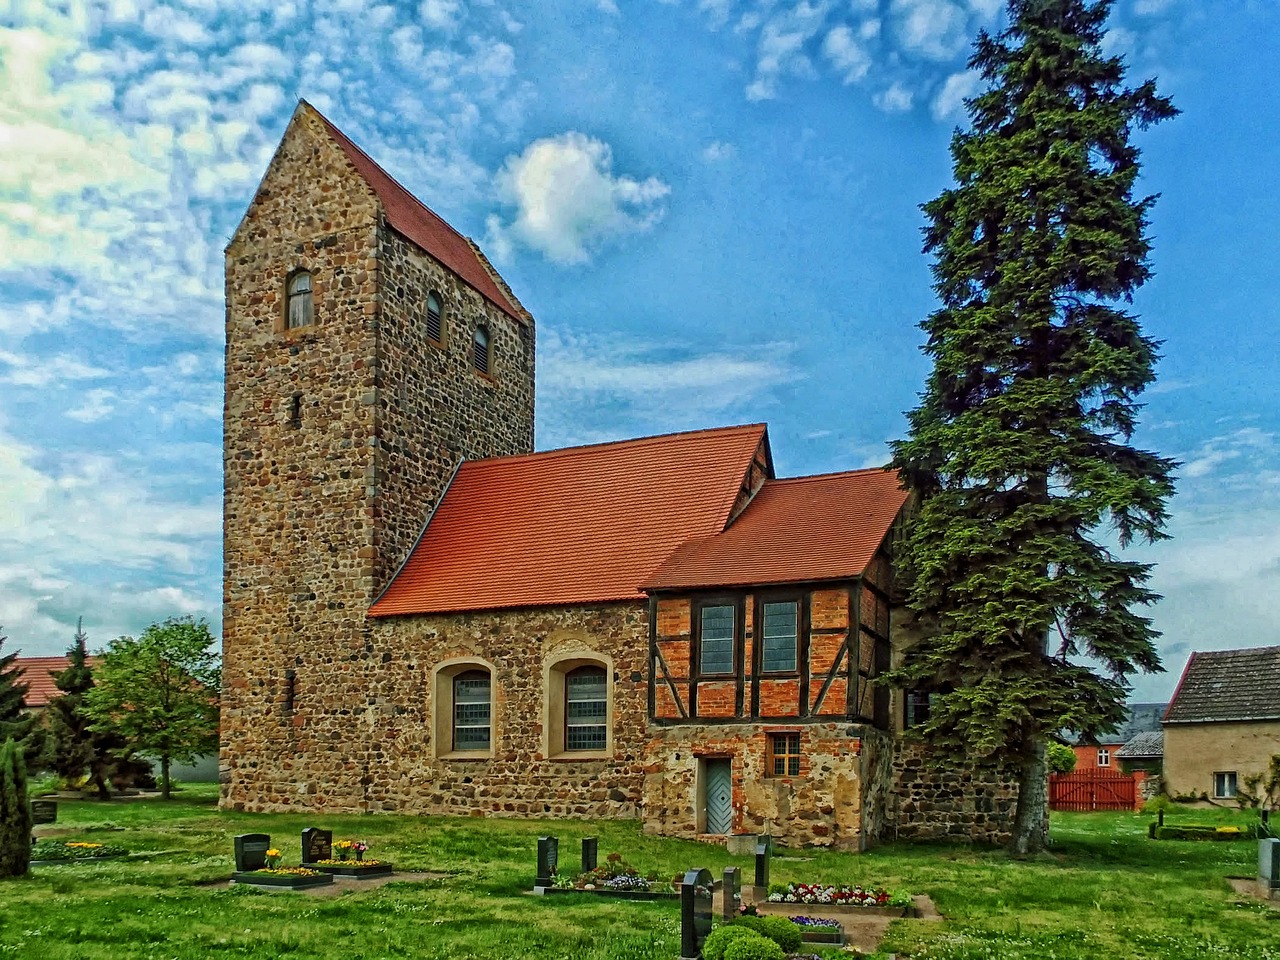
[856,897]
[350,862]
[73,851]
[820,929]
[616,877]
[274,875]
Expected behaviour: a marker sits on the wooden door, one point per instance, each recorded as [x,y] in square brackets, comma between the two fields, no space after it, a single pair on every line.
[719,795]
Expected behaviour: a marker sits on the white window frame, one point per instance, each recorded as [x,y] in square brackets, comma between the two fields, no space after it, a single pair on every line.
[1226,785]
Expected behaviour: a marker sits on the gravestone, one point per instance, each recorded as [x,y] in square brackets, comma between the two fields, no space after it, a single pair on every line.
[589,847]
[695,912]
[44,811]
[1269,864]
[251,851]
[764,849]
[729,891]
[317,845]
[548,861]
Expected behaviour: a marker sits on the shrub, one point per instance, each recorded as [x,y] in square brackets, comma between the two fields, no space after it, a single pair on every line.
[778,929]
[1194,831]
[1060,757]
[754,947]
[718,940]
[15,812]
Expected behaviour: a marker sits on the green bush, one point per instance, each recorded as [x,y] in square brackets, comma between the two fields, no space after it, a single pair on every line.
[15,812]
[1198,831]
[778,929]
[718,940]
[753,947]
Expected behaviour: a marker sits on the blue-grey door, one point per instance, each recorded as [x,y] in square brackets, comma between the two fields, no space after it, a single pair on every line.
[719,794]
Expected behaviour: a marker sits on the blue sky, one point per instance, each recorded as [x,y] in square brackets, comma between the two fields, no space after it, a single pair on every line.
[711,207]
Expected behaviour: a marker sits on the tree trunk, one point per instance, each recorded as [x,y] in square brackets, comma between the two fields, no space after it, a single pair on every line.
[1031,817]
[164,776]
[100,781]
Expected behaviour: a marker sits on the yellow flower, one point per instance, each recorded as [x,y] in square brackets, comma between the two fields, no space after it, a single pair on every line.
[273,853]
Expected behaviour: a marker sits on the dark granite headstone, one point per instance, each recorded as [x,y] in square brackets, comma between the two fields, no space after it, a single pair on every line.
[730,890]
[764,849]
[251,851]
[317,845]
[548,860]
[44,811]
[589,847]
[695,912]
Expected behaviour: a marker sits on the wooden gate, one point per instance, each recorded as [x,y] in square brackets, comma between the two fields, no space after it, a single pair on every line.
[1092,790]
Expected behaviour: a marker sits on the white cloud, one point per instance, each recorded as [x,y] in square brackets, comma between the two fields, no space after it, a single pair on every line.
[949,102]
[95,405]
[932,29]
[846,54]
[781,44]
[440,14]
[718,150]
[28,370]
[1147,8]
[568,200]
[896,99]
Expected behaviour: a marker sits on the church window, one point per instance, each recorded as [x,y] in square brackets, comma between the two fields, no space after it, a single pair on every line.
[481,353]
[299,311]
[784,755]
[716,639]
[918,704]
[435,319]
[781,630]
[586,708]
[471,714]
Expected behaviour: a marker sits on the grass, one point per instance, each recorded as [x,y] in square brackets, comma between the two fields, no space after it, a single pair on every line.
[1105,890]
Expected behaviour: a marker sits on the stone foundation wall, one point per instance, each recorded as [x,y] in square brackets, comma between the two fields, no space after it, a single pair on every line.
[960,802]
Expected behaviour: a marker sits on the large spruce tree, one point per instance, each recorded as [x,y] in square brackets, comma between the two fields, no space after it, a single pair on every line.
[16,722]
[79,750]
[1020,448]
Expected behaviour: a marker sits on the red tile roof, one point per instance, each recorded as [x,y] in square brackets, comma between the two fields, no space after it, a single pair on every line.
[581,525]
[412,218]
[795,531]
[37,673]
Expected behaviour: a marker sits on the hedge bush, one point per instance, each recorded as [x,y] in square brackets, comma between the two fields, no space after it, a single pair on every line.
[754,947]
[778,929]
[1197,831]
[718,940]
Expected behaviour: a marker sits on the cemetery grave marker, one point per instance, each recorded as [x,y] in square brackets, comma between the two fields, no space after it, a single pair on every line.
[548,861]
[764,849]
[44,811]
[317,845]
[589,849]
[729,891]
[695,912]
[251,851]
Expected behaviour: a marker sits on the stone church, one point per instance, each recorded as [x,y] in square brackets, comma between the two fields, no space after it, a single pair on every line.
[423,615]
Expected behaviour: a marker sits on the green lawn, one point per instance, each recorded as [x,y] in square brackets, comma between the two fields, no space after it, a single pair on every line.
[1105,891]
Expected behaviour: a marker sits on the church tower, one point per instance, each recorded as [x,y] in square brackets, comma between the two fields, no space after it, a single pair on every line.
[370,348]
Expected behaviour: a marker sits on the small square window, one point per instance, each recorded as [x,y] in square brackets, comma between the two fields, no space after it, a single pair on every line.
[1104,757]
[1224,785]
[784,755]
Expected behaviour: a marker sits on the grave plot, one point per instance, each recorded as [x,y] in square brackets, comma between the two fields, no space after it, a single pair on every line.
[258,864]
[50,852]
[614,878]
[346,858]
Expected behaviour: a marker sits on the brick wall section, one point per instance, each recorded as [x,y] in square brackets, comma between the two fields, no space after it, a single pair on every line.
[961,803]
[360,734]
[319,511]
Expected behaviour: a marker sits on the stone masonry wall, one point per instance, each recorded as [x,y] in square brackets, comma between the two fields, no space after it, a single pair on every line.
[959,803]
[359,736]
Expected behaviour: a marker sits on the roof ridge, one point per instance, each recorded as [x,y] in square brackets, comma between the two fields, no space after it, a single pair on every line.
[630,441]
[834,473]
[1236,650]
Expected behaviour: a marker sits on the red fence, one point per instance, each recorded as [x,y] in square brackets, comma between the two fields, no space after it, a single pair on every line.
[1092,790]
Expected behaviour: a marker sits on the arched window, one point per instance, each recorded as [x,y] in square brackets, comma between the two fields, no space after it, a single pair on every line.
[480,356]
[471,710]
[586,709]
[299,312]
[435,319]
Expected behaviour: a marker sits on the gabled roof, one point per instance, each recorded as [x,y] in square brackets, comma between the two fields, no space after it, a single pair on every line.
[37,673]
[803,530]
[413,219]
[580,525]
[1222,685]
[1144,745]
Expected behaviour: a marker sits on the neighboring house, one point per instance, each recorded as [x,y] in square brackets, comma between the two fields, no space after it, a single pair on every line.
[1223,725]
[1144,752]
[421,614]
[1098,756]
[1140,718]
[37,673]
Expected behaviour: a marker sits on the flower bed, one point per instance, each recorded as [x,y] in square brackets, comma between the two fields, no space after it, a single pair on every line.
[820,930]
[617,878]
[73,851]
[1195,831]
[352,868]
[854,899]
[291,878]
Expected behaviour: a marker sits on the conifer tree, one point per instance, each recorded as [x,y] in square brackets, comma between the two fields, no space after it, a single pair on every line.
[80,750]
[15,812]
[15,721]
[1020,447]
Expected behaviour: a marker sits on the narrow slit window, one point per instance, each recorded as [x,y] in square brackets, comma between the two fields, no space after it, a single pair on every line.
[716,643]
[471,710]
[435,318]
[781,630]
[300,309]
[586,709]
[295,411]
[481,354]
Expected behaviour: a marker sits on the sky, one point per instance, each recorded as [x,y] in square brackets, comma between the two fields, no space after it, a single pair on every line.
[710,206]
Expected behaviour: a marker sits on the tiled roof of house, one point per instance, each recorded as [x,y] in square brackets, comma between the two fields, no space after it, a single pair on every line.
[808,529]
[415,220]
[1220,685]
[37,673]
[580,525]
[1150,744]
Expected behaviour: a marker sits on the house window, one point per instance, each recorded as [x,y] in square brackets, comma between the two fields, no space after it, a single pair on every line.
[1224,785]
[480,354]
[784,755]
[586,709]
[299,312]
[715,646]
[435,319]
[781,629]
[1104,757]
[918,703]
[471,714]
